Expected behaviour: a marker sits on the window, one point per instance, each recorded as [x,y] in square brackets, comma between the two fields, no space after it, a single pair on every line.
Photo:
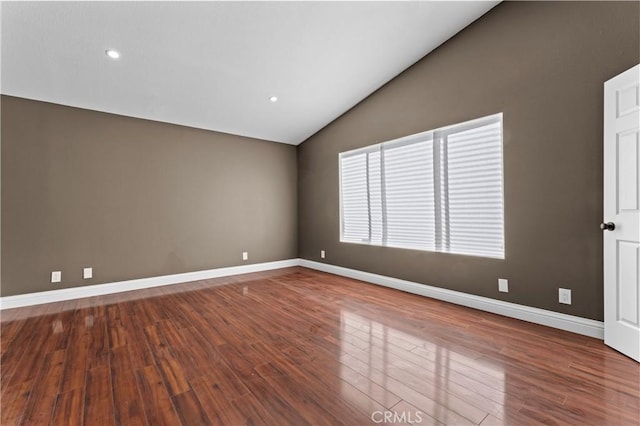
[439,190]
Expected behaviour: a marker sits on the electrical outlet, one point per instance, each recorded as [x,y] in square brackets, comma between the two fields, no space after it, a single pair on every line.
[564,296]
[245,255]
[322,254]
[87,273]
[503,285]
[56,276]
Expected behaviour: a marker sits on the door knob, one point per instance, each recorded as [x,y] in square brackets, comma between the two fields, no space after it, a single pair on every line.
[609,226]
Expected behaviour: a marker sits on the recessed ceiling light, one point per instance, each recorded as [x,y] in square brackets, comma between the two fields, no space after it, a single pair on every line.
[273,99]
[113,54]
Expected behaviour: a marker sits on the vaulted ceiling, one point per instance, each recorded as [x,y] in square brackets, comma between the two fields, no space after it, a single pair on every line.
[215,65]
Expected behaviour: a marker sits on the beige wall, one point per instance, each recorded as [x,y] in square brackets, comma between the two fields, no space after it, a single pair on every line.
[135,198]
[541,63]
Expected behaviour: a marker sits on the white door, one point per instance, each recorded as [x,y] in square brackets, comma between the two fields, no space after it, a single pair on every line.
[621,225]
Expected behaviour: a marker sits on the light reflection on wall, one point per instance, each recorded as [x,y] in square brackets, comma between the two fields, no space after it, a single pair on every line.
[389,364]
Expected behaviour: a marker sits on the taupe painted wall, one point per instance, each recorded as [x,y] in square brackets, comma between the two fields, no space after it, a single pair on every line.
[135,198]
[541,63]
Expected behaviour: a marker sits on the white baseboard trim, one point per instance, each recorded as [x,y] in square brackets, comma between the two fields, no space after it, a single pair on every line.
[566,322]
[38,298]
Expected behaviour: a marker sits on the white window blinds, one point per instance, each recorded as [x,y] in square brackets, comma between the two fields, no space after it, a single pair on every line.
[408,188]
[439,190]
[355,198]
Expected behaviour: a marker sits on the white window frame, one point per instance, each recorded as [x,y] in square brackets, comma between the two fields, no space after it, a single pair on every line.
[439,137]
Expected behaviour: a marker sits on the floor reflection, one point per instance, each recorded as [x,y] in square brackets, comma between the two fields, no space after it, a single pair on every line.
[305,347]
[57,327]
[429,377]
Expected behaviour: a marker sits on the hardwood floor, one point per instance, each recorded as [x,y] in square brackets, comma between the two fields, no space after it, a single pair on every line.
[295,347]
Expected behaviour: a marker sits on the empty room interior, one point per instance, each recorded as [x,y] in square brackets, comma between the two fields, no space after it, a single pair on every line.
[320,213]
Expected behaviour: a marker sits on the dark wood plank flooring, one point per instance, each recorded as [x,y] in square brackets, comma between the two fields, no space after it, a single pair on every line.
[294,347]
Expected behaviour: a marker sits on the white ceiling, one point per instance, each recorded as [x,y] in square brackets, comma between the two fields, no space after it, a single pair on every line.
[214,65]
